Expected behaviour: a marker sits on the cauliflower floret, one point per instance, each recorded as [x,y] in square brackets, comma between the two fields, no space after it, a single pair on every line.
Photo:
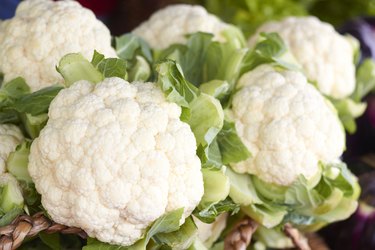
[10,137]
[171,25]
[325,55]
[287,125]
[113,158]
[43,31]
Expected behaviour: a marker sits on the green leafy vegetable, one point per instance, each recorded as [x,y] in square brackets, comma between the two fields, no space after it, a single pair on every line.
[308,203]
[11,199]
[348,111]
[203,60]
[201,111]
[74,67]
[216,186]
[231,147]
[17,165]
[37,102]
[211,212]
[270,49]
[18,161]
[137,54]
[365,80]
[180,239]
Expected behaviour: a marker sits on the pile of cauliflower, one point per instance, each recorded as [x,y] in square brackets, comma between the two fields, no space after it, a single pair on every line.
[140,143]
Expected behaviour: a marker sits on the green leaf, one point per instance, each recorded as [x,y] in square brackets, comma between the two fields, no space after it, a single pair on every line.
[273,238]
[10,195]
[365,80]
[18,161]
[51,240]
[180,239]
[16,88]
[34,124]
[348,111]
[74,67]
[37,102]
[30,195]
[129,45]
[137,54]
[113,67]
[270,49]
[97,58]
[202,112]
[173,83]
[216,88]
[167,223]
[232,148]
[9,116]
[210,155]
[216,186]
[242,190]
[203,60]
[207,118]
[265,214]
[140,71]
[211,212]
[10,216]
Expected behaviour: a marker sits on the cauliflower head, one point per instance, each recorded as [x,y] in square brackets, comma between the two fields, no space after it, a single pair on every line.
[43,31]
[171,25]
[326,56]
[10,137]
[287,125]
[113,158]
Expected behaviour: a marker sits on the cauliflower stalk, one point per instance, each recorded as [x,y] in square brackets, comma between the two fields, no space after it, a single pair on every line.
[31,43]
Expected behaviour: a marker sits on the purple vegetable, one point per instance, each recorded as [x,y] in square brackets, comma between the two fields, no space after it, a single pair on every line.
[363,28]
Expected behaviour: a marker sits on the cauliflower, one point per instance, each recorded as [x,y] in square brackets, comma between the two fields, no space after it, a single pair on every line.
[209,233]
[113,158]
[326,56]
[10,137]
[41,32]
[171,25]
[288,126]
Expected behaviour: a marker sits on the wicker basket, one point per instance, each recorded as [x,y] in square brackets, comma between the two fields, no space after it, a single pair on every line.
[12,236]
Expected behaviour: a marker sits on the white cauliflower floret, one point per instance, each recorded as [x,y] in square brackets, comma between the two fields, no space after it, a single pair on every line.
[326,56]
[113,158]
[171,25]
[42,32]
[10,137]
[287,125]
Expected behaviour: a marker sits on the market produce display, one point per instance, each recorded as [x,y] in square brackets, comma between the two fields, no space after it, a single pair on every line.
[177,135]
